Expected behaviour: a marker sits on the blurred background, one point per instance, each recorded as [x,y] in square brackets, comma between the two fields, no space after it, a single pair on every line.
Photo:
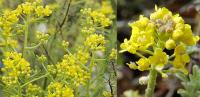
[128,11]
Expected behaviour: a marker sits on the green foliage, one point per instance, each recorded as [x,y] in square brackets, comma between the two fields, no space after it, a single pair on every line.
[190,83]
[57,48]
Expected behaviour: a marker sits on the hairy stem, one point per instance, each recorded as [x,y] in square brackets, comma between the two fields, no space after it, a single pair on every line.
[152,82]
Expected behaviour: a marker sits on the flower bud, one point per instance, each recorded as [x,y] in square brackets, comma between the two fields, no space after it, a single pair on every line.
[170,44]
[196,38]
[42,58]
[177,34]
[132,65]
[65,44]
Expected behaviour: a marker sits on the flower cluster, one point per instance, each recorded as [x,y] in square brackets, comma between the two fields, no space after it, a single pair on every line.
[71,70]
[52,63]
[181,57]
[113,54]
[15,67]
[106,9]
[172,29]
[33,90]
[65,44]
[56,89]
[101,17]
[36,8]
[42,37]
[142,35]
[83,56]
[162,30]
[94,22]
[10,43]
[95,42]
[10,18]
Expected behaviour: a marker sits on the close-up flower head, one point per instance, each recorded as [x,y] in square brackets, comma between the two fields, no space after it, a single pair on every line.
[99,48]
[158,46]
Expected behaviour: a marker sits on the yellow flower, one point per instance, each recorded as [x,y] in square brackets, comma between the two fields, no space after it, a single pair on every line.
[42,58]
[161,13]
[187,37]
[170,44]
[142,36]
[159,58]
[42,37]
[14,67]
[177,19]
[95,20]
[7,20]
[132,65]
[106,7]
[11,17]
[72,69]
[65,44]
[82,56]
[9,42]
[177,33]
[27,8]
[100,18]
[172,27]
[143,64]
[13,43]
[57,89]
[47,10]
[33,90]
[113,54]
[95,42]
[162,31]
[39,10]
[87,30]
[181,58]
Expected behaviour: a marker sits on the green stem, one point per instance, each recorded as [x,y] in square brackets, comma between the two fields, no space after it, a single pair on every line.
[90,70]
[33,47]
[51,77]
[45,79]
[140,55]
[35,80]
[151,82]
[19,90]
[25,37]
[148,52]
[100,59]
[172,56]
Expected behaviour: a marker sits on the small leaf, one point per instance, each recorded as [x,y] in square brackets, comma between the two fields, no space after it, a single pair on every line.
[192,84]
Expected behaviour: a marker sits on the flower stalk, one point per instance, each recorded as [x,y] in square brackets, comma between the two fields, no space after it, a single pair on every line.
[152,82]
